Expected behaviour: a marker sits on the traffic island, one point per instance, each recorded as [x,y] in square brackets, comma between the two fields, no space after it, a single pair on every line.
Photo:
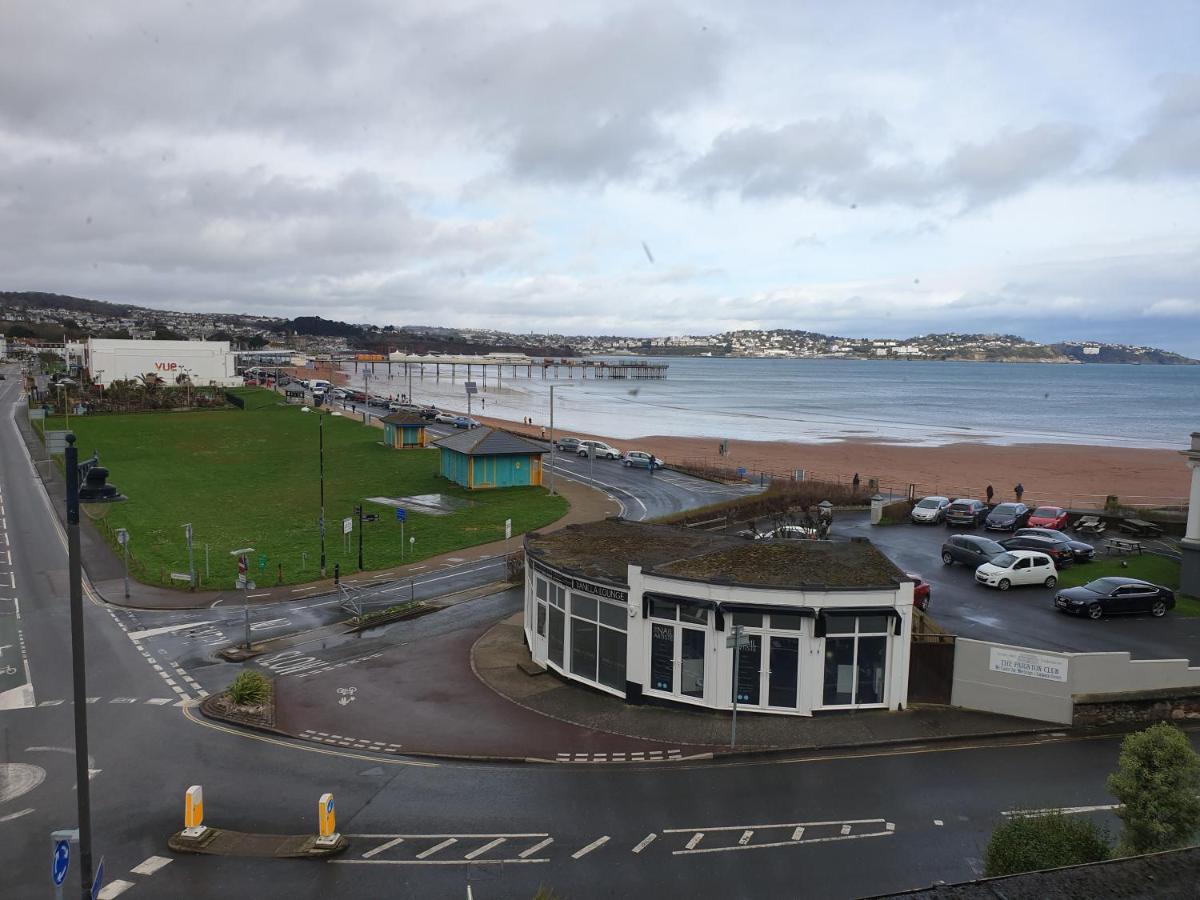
[256,711]
[222,842]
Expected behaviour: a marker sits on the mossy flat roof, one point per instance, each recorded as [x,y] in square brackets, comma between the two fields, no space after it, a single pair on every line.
[603,550]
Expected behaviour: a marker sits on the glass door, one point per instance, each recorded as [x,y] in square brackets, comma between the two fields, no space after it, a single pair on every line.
[749,671]
[662,657]
[691,663]
[783,672]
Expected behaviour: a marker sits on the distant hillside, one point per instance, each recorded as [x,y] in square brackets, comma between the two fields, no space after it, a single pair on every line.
[1109,353]
[42,300]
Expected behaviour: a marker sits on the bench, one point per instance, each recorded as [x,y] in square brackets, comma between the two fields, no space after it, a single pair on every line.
[1140,528]
[1122,545]
[1090,524]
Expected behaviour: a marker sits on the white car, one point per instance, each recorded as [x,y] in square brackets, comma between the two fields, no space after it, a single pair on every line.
[601,449]
[445,418]
[1017,567]
[930,511]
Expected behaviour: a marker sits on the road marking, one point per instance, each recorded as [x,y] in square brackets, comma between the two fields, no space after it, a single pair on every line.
[845,829]
[166,629]
[746,835]
[495,842]
[598,842]
[114,889]
[385,846]
[938,822]
[819,840]
[425,854]
[696,839]
[16,815]
[645,842]
[798,833]
[150,865]
[1066,810]
[524,854]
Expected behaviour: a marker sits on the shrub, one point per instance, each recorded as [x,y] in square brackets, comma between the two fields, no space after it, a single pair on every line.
[250,688]
[1043,841]
[1157,780]
[897,511]
[514,567]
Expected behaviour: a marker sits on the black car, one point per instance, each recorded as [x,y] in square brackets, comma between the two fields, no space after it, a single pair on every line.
[1112,596]
[1058,549]
[429,412]
[1007,517]
[970,550]
[966,513]
[1083,552]
[381,402]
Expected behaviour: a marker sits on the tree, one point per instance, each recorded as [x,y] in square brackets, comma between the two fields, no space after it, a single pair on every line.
[20,331]
[1157,781]
[1043,841]
[162,333]
[256,342]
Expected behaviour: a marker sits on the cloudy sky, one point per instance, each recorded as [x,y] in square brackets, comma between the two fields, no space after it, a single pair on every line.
[645,168]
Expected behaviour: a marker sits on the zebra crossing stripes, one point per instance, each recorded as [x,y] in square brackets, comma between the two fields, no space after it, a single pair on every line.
[338,740]
[635,756]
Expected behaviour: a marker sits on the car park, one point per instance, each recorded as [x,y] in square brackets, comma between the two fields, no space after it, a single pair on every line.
[568,444]
[966,513]
[1007,517]
[600,449]
[1058,549]
[920,591]
[1018,567]
[970,550]
[930,510]
[1083,552]
[638,459]
[464,422]
[1115,596]
[1048,517]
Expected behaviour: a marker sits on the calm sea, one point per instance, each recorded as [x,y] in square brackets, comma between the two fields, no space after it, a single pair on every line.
[827,399]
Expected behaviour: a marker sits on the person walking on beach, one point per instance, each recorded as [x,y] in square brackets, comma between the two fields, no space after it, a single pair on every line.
[990,494]
[1019,490]
[543,432]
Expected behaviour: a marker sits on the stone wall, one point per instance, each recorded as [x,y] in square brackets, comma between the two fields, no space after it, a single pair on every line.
[1137,707]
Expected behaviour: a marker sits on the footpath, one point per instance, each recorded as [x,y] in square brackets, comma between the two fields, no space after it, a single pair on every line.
[106,570]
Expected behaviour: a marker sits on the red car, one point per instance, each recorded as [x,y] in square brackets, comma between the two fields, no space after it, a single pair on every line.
[1048,517]
[920,592]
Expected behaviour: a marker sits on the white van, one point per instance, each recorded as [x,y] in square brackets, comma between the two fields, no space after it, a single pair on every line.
[318,386]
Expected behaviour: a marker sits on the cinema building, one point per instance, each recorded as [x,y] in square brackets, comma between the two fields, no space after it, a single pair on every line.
[204,363]
[648,612]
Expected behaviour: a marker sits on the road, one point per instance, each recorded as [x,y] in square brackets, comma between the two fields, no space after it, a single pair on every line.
[836,825]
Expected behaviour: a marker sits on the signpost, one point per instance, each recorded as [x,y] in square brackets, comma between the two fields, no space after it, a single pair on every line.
[123,540]
[472,388]
[98,881]
[244,585]
[327,819]
[738,640]
[401,516]
[60,861]
[187,530]
[508,529]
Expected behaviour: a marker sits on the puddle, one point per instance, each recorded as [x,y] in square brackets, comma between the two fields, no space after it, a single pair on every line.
[430,504]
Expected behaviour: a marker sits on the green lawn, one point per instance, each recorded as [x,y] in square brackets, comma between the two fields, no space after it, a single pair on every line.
[1146,566]
[249,478]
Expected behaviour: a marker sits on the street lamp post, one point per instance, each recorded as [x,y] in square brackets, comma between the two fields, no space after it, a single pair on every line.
[552,447]
[244,584]
[321,453]
[94,497]
[358,509]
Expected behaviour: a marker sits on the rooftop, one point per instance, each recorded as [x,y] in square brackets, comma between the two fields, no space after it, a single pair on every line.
[404,418]
[484,441]
[603,550]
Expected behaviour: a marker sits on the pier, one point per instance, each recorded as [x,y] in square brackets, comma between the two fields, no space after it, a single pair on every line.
[471,367]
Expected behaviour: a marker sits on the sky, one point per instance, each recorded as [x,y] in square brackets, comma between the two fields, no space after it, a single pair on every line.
[883,168]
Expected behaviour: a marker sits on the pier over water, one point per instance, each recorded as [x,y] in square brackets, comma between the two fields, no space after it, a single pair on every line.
[498,365]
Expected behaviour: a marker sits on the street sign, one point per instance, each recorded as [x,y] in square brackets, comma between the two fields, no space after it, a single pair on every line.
[328,818]
[741,641]
[472,387]
[507,529]
[347,525]
[98,881]
[262,562]
[401,514]
[60,861]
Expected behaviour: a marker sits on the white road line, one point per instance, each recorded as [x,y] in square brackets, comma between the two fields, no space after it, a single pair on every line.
[166,629]
[820,840]
[645,842]
[16,815]
[845,829]
[495,842]
[114,889]
[938,822]
[696,839]
[385,846]
[598,842]
[798,833]
[1066,810]
[150,865]
[776,825]
[746,835]
[535,848]
[424,854]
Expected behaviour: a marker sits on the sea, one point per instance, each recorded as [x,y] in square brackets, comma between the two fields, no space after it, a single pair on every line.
[823,400]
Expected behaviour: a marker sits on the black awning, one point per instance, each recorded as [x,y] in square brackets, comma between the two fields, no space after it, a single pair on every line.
[889,611]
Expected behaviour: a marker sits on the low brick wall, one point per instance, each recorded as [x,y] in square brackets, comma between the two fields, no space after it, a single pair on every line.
[1135,707]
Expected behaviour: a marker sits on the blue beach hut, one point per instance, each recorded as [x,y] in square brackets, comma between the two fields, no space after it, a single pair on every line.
[490,458]
[403,431]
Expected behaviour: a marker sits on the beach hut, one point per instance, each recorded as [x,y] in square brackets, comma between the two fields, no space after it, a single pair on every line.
[490,458]
[404,431]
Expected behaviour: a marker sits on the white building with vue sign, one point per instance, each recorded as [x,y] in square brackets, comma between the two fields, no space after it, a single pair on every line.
[648,611]
[203,362]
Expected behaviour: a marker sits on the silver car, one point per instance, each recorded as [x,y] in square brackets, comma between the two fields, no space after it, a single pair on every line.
[930,511]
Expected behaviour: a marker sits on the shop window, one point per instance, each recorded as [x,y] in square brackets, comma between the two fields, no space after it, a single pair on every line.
[855,660]
[787,621]
[613,616]
[694,614]
[554,644]
[583,648]
[583,606]
[598,640]
[663,609]
[612,658]
[749,620]
[542,588]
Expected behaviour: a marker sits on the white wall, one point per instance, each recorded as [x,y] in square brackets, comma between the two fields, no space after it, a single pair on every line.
[207,362]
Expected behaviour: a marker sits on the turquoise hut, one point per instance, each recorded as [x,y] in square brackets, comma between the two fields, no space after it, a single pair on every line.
[404,431]
[489,458]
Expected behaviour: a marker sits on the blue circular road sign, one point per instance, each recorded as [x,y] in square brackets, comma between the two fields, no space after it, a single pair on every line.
[62,859]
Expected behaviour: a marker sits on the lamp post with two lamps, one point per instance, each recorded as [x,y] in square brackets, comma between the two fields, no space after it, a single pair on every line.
[552,445]
[95,498]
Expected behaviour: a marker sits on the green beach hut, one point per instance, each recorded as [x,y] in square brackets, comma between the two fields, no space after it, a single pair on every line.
[404,431]
[490,458]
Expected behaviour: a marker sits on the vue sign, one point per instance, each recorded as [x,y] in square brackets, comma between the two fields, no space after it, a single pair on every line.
[166,366]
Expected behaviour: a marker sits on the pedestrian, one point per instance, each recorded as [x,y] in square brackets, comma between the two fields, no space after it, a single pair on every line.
[483,402]
[990,494]
[855,483]
[1019,490]
[653,463]
[543,432]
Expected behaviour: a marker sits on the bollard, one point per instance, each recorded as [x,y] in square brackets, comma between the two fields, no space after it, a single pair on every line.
[193,813]
[327,820]
[337,573]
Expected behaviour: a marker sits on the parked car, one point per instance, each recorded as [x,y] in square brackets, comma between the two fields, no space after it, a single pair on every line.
[966,513]
[339,393]
[1007,517]
[1111,596]
[1083,552]
[1018,567]
[930,510]
[429,412]
[601,449]
[790,533]
[970,550]
[1057,549]
[380,402]
[397,406]
[568,444]
[920,592]
[464,422]
[1048,517]
[357,397]
[445,418]
[640,460]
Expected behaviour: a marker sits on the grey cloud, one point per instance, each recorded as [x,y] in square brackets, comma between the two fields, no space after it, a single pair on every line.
[1170,145]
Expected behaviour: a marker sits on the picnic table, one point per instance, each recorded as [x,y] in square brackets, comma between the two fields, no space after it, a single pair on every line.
[1090,524]
[1122,545]
[1141,528]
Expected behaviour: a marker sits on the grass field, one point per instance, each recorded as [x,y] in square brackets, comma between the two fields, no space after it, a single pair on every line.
[249,478]
[1146,566]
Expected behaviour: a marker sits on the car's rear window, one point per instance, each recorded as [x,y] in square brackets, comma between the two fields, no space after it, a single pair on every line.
[1048,511]
[1006,509]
